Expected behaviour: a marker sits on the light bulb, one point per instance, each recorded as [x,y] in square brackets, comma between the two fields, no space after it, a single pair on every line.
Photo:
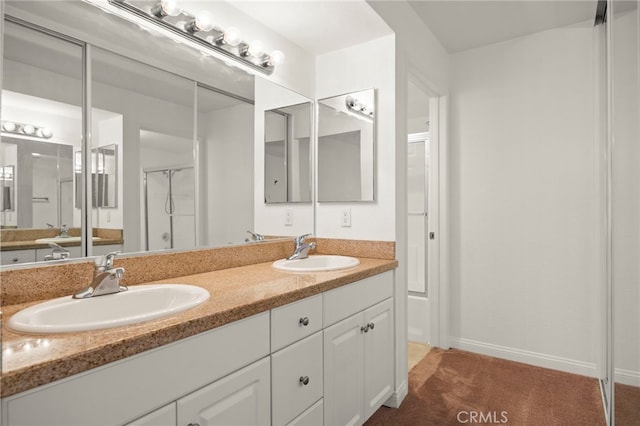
[276,57]
[28,129]
[9,126]
[166,8]
[46,132]
[202,22]
[256,48]
[231,36]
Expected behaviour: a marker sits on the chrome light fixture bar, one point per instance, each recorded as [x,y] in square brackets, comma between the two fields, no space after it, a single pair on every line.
[354,105]
[24,129]
[200,30]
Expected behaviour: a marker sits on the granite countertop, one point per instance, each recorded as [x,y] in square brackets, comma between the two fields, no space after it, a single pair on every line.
[29,361]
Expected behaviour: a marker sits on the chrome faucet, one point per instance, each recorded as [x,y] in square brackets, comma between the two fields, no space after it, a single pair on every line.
[254,237]
[106,279]
[64,231]
[302,248]
[58,253]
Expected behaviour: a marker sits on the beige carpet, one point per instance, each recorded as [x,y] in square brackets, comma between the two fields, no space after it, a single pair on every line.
[627,412]
[456,387]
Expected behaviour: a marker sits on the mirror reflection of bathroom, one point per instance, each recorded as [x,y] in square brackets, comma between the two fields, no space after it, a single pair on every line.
[169,191]
[346,147]
[41,128]
[287,146]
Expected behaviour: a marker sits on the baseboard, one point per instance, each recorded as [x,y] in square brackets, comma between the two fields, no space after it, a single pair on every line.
[533,358]
[627,377]
[398,396]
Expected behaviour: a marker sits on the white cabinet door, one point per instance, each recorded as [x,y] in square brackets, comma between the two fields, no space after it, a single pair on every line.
[378,356]
[242,398]
[165,416]
[344,372]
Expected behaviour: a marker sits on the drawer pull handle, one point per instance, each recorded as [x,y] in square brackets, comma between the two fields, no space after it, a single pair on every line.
[364,328]
[15,259]
[193,424]
[304,321]
[371,325]
[304,380]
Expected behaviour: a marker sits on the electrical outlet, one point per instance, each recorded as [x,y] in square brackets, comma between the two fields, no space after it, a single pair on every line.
[288,217]
[346,218]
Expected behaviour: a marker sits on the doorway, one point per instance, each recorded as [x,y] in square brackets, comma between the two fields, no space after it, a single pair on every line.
[169,208]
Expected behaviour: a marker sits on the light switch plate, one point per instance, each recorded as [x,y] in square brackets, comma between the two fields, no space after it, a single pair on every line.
[288,217]
[346,218]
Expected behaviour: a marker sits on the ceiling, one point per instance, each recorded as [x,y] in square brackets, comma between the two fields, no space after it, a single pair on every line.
[463,25]
[318,26]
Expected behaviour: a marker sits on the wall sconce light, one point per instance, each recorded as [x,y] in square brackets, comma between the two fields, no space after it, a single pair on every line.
[26,129]
[354,105]
[200,29]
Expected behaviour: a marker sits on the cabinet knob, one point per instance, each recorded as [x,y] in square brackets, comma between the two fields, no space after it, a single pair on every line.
[371,325]
[304,380]
[364,328]
[304,321]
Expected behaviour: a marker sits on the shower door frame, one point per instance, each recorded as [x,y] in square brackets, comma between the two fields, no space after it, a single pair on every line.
[146,200]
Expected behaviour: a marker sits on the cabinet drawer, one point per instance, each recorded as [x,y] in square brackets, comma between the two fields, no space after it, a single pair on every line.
[289,368]
[13,257]
[288,322]
[314,416]
[345,301]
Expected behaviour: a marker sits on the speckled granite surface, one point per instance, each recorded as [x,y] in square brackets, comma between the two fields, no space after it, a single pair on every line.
[236,292]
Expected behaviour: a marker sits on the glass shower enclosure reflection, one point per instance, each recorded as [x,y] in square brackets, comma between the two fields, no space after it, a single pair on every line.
[170,208]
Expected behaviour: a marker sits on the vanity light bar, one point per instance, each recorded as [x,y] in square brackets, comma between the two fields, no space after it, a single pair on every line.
[25,129]
[200,30]
[354,105]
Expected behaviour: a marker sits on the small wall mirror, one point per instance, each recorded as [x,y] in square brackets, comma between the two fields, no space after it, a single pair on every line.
[346,147]
[287,154]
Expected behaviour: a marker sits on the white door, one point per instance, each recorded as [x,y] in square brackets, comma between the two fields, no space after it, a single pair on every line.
[242,398]
[344,372]
[378,351]
[418,226]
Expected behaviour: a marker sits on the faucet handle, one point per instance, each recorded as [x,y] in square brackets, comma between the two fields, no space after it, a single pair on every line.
[106,262]
[300,239]
[256,236]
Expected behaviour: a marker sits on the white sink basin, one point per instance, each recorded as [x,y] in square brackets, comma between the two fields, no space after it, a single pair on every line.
[138,304]
[61,240]
[322,262]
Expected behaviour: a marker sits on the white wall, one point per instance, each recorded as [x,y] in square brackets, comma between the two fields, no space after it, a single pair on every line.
[626,198]
[365,66]
[269,219]
[523,199]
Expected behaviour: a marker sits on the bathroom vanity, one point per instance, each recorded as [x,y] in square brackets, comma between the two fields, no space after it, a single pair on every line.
[268,347]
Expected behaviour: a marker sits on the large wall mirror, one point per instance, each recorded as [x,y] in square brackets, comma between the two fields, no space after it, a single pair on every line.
[287,152]
[173,142]
[346,147]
